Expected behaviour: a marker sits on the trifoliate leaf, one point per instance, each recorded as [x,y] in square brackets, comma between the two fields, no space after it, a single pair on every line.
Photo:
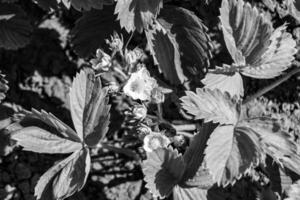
[253,44]
[230,153]
[89,107]
[86,5]
[294,192]
[179,34]
[137,14]
[14,27]
[180,193]
[91,30]
[231,83]
[276,143]
[65,178]
[3,86]
[39,140]
[211,105]
[163,169]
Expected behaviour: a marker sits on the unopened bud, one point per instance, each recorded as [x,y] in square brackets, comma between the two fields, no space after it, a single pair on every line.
[139,112]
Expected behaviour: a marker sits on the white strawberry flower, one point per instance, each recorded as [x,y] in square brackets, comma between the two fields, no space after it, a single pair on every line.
[140,85]
[154,141]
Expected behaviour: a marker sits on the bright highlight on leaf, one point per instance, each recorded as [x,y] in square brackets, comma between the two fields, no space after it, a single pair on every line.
[230,82]
[210,105]
[294,192]
[137,14]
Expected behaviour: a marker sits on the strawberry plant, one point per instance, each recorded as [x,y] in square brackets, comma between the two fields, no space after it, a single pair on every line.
[183,97]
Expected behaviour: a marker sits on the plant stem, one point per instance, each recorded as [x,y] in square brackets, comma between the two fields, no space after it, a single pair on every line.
[187,134]
[271,86]
[128,41]
[185,127]
[119,150]
[160,112]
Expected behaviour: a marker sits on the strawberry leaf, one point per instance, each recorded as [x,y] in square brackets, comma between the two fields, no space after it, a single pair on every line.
[163,169]
[277,57]
[91,29]
[165,51]
[14,27]
[39,140]
[294,192]
[89,107]
[180,193]
[230,153]
[64,178]
[87,5]
[179,34]
[252,42]
[54,122]
[3,86]
[279,176]
[211,105]
[294,9]
[196,174]
[227,82]
[276,143]
[137,14]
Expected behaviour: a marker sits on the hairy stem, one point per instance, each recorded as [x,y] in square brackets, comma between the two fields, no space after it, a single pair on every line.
[272,85]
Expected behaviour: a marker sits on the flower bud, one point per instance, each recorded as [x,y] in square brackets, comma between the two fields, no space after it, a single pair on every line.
[154,141]
[139,112]
[102,61]
[116,42]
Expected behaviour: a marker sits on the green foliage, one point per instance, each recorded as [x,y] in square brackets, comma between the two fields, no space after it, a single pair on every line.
[14,27]
[90,114]
[174,76]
